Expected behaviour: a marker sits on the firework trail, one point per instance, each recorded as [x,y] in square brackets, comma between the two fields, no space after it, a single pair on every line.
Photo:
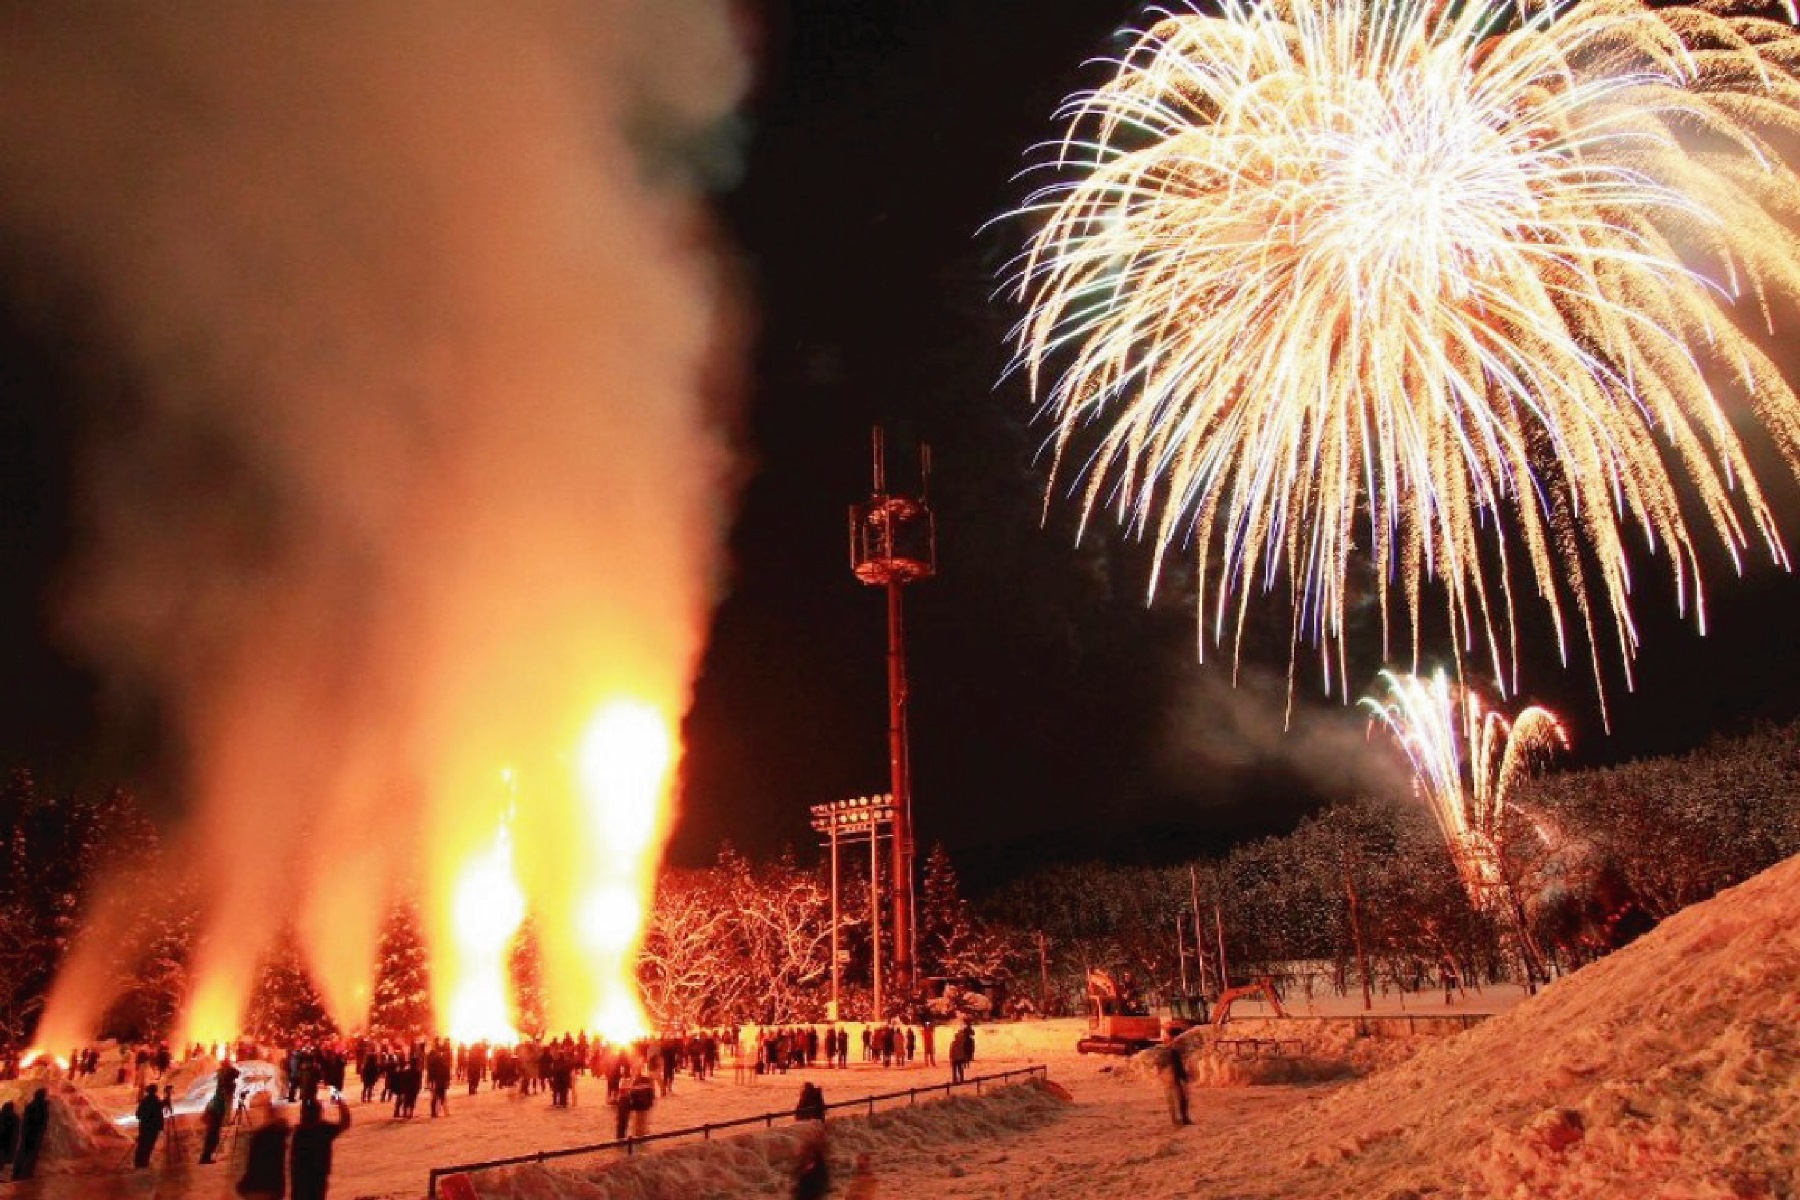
[1460,287]
[1466,760]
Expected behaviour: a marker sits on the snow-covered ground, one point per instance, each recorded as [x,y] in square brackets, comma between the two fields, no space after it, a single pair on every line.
[1670,1070]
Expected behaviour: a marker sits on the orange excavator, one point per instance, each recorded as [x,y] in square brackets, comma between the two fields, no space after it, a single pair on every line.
[1118,1022]
[1222,1010]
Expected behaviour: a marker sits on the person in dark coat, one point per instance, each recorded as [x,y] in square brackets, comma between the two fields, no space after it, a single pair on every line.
[218,1109]
[265,1163]
[812,1170]
[437,1073]
[476,1066]
[309,1159]
[962,1053]
[33,1127]
[369,1069]
[811,1106]
[9,1133]
[1178,1087]
[621,1113]
[643,1099]
[150,1126]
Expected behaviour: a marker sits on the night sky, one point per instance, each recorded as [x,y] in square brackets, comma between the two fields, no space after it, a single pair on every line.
[1055,713]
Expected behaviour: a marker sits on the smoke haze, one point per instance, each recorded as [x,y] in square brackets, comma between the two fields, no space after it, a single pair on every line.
[1218,732]
[421,447]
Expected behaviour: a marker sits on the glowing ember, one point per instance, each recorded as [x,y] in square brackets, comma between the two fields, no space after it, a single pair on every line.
[487,909]
[627,756]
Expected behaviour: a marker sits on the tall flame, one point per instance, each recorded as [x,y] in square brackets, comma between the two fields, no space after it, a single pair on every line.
[626,759]
[215,1009]
[487,908]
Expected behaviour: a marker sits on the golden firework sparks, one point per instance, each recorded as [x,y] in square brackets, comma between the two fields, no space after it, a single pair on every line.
[1466,760]
[1459,288]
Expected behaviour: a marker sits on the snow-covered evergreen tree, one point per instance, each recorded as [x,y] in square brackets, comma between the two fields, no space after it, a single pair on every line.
[286,1006]
[401,1007]
[952,941]
[55,852]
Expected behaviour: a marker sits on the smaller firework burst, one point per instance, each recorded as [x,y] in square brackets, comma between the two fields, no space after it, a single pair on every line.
[1466,759]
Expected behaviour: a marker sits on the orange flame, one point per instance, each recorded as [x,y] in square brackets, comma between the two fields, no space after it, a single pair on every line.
[214,1011]
[487,908]
[37,1055]
[626,761]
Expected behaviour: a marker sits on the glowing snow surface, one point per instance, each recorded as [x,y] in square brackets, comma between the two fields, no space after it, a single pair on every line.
[1671,1069]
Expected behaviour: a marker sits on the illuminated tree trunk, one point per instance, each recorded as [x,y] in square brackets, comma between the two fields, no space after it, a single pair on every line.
[1356,938]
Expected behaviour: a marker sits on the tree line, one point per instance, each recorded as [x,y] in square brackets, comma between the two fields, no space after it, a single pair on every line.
[1360,897]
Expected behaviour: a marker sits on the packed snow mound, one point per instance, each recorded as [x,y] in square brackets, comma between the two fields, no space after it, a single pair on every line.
[1669,1069]
[256,1077]
[762,1163]
[1264,1051]
[79,1136]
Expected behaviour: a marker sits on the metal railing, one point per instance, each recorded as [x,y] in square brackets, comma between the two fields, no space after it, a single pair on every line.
[630,1145]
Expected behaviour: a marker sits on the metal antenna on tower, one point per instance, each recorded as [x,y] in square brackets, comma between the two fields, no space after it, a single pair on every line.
[893,542]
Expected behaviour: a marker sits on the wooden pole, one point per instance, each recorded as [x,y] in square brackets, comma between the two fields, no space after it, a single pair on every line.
[833,1015]
[875,911]
[1219,928]
[1199,930]
[1181,954]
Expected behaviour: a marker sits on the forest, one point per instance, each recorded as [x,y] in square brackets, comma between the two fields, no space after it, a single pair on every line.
[1360,898]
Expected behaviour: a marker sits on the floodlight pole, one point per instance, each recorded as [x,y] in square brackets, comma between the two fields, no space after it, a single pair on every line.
[900,774]
[832,1010]
[858,817]
[893,543]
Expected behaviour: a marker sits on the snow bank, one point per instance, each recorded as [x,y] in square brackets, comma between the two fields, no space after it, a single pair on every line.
[1305,1050]
[1669,1069]
[762,1163]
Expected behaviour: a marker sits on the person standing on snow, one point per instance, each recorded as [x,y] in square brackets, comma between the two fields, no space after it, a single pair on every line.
[643,1099]
[150,1126]
[265,1162]
[9,1133]
[33,1127]
[811,1106]
[812,1169]
[962,1052]
[621,1102]
[437,1073]
[1177,1077]
[309,1159]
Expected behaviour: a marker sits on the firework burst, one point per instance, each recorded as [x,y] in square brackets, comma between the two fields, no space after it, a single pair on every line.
[1466,760]
[1466,285]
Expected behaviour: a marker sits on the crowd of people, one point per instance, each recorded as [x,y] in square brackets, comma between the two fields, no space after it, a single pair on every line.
[279,1158]
[892,1044]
